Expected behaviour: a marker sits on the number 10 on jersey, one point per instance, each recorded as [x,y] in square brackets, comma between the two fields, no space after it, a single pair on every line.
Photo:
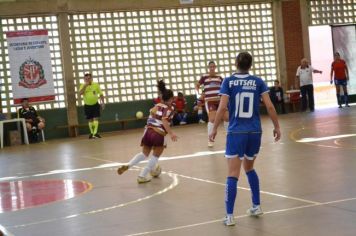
[240,101]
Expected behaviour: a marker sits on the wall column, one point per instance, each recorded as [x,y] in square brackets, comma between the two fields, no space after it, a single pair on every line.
[293,38]
[305,19]
[72,115]
[279,44]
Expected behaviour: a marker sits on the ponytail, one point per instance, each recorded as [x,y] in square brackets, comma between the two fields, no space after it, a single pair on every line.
[166,93]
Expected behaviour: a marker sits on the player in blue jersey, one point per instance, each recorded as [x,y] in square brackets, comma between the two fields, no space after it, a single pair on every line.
[241,94]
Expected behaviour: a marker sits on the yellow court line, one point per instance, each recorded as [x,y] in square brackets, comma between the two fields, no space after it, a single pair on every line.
[293,132]
[338,143]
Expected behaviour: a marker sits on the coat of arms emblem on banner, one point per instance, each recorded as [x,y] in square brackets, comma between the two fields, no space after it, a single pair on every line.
[31,74]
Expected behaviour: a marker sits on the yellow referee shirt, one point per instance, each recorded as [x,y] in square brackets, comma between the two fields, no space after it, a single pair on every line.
[91,94]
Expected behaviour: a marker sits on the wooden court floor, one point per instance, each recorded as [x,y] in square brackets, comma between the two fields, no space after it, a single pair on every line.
[70,186]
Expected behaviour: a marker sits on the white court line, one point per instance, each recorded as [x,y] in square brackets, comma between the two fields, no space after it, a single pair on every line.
[5,231]
[103,166]
[116,164]
[248,189]
[238,217]
[308,140]
[197,154]
[174,184]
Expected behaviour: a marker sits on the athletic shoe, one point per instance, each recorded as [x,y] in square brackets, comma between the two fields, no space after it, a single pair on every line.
[255,211]
[142,180]
[340,106]
[182,123]
[91,136]
[122,169]
[97,135]
[202,122]
[347,105]
[229,221]
[210,144]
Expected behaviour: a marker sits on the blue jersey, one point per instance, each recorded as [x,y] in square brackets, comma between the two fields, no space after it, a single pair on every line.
[244,93]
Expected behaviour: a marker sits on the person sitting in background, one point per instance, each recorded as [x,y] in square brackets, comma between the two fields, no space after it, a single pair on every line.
[34,123]
[2,117]
[199,108]
[179,104]
[277,97]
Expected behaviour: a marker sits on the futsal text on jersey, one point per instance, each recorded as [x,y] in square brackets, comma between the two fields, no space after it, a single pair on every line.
[246,84]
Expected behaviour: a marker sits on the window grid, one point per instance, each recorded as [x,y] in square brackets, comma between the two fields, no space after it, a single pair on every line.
[328,12]
[128,51]
[31,23]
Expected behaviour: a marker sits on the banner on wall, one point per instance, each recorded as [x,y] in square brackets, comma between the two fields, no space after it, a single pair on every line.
[30,66]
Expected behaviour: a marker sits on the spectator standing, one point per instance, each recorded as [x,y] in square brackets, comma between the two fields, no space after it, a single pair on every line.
[304,80]
[341,76]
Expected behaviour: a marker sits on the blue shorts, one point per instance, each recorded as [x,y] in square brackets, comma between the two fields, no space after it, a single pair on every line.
[342,82]
[243,145]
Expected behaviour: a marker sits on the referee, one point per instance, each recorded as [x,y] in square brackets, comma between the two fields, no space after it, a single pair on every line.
[91,93]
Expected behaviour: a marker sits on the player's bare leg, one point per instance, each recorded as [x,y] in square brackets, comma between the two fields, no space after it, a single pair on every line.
[135,160]
[226,120]
[152,162]
[211,115]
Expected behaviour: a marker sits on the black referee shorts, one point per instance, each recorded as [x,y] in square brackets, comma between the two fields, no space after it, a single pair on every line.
[92,111]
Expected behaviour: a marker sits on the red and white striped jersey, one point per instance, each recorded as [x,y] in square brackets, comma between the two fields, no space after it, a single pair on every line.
[159,112]
[212,86]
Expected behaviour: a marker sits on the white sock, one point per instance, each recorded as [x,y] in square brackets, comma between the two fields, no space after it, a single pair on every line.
[137,159]
[226,125]
[150,165]
[210,128]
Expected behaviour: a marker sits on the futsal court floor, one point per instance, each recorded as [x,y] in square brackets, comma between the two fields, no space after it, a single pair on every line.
[70,186]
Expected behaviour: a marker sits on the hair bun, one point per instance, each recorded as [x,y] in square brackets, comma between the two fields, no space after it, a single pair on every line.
[161,85]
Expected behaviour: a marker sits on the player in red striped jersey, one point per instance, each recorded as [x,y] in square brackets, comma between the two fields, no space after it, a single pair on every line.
[211,83]
[158,126]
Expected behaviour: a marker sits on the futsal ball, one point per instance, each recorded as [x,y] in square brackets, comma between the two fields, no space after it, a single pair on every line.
[156,171]
[139,115]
